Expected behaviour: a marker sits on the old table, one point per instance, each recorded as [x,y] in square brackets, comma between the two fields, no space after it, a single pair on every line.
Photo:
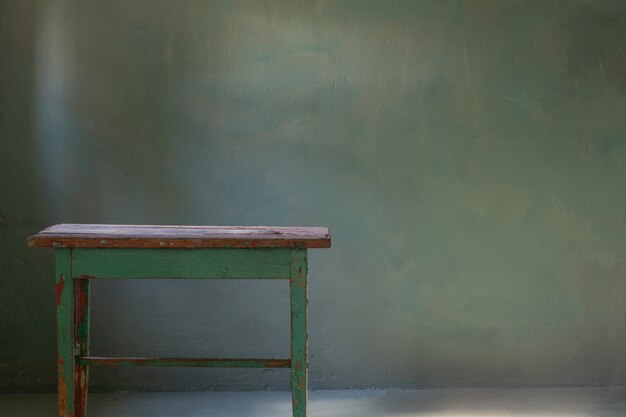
[91,251]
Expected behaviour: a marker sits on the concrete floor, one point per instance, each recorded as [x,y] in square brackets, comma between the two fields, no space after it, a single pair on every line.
[553,402]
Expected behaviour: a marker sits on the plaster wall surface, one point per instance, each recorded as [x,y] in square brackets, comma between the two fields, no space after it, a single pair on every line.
[468,156]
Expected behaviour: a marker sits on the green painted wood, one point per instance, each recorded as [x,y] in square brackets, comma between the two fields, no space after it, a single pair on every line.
[186,362]
[65,332]
[181,263]
[299,336]
[82,315]
[73,313]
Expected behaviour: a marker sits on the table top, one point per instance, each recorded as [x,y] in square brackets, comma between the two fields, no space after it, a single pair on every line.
[178,237]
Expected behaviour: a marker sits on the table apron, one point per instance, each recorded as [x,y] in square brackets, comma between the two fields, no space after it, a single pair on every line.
[221,263]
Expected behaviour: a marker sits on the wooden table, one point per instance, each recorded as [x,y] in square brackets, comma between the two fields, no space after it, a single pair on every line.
[92,251]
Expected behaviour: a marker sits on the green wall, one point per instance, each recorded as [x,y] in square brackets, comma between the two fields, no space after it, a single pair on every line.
[468,156]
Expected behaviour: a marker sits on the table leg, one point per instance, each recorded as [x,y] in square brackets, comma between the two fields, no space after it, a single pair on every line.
[65,332]
[82,342]
[298,298]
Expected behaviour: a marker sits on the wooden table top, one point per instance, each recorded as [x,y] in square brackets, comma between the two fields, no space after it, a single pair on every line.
[152,236]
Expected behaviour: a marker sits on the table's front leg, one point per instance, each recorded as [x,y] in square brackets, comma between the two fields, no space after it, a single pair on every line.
[298,300]
[82,345]
[65,332]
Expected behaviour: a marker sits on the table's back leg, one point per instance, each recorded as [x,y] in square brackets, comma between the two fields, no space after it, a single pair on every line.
[65,332]
[298,300]
[82,342]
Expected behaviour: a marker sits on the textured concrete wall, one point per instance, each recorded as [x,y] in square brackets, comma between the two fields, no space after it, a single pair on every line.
[469,157]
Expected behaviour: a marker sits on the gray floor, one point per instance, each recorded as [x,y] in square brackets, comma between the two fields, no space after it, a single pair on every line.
[557,402]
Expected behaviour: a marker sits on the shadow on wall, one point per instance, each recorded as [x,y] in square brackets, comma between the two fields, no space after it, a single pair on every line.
[27,359]
[136,121]
[108,98]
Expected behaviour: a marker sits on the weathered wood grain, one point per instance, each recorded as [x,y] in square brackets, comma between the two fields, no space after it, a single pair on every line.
[146,236]
[185,362]
[181,263]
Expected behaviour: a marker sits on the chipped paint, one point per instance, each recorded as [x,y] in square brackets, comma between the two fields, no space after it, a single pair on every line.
[85,276]
[59,289]
[299,331]
[62,390]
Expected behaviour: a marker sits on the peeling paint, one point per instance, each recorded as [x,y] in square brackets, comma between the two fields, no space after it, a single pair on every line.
[60,285]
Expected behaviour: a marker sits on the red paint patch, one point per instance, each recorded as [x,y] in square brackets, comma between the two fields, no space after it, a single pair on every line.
[62,388]
[82,300]
[80,392]
[59,289]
